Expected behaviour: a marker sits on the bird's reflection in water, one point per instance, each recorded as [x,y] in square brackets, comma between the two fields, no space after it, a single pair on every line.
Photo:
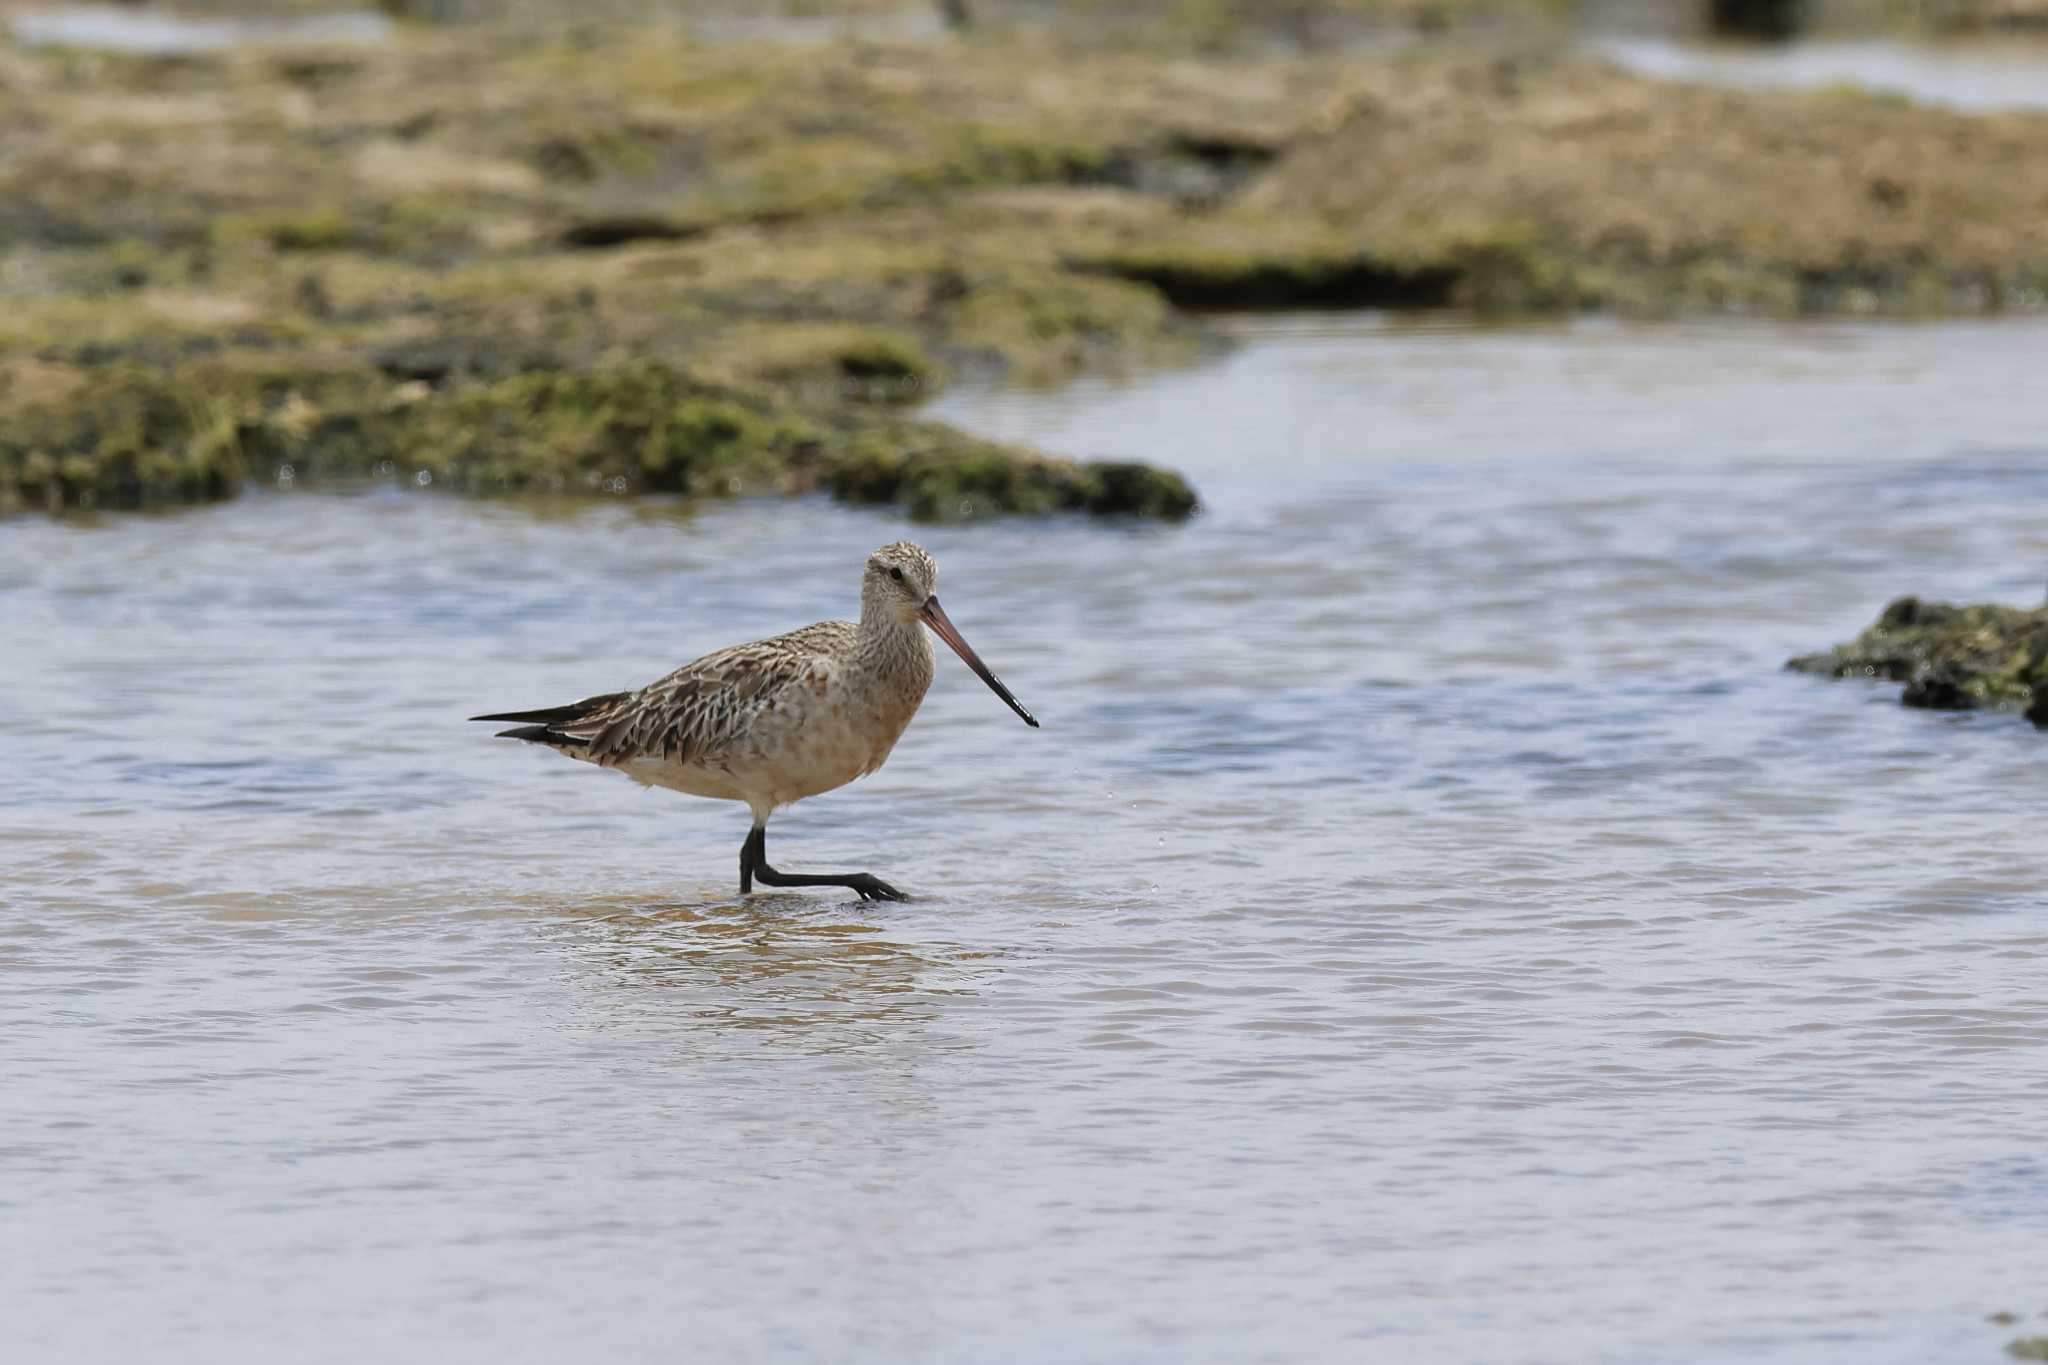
[792,964]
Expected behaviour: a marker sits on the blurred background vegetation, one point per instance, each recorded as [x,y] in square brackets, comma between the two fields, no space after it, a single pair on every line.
[495,245]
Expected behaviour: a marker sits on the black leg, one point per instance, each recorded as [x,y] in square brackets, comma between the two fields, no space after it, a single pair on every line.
[754,863]
[750,855]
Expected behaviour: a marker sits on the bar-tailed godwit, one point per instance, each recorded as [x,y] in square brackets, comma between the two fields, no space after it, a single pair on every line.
[775,721]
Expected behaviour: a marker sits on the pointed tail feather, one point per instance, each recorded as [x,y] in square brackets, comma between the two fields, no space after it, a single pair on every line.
[555,715]
[537,734]
[542,730]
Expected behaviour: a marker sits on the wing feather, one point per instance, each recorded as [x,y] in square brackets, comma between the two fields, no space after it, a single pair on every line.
[696,711]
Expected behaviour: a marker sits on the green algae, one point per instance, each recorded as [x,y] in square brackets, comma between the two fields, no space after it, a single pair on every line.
[320,231]
[136,438]
[939,474]
[133,438]
[1045,324]
[831,361]
[642,427]
[1951,658]
[1128,488]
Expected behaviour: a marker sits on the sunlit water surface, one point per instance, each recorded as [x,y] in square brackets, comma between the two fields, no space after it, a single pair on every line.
[1429,927]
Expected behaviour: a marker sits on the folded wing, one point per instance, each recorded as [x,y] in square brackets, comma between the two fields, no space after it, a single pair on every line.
[686,717]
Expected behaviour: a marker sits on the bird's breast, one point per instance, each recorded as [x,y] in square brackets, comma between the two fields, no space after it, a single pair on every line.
[832,731]
[890,717]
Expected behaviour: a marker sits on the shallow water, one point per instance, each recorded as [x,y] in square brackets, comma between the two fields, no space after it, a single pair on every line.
[1428,927]
[1975,77]
[115,28]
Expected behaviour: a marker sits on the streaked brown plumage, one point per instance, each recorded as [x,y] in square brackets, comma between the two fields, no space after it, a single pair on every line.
[775,721]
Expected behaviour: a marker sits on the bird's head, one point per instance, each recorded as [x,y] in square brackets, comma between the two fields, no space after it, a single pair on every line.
[900,578]
[899,585]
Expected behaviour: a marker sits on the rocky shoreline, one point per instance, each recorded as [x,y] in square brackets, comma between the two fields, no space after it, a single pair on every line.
[618,261]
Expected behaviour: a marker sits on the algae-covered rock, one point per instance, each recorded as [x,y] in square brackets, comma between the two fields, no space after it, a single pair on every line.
[1138,490]
[1757,18]
[638,427]
[129,439]
[941,474]
[133,438]
[1196,274]
[2029,16]
[1548,181]
[626,258]
[1950,658]
[825,363]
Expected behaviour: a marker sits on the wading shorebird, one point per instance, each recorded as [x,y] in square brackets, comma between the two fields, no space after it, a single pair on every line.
[778,720]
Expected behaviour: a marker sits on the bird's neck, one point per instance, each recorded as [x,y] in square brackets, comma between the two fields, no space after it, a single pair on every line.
[886,644]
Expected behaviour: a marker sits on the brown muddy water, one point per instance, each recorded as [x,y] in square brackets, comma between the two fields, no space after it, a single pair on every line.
[1429,926]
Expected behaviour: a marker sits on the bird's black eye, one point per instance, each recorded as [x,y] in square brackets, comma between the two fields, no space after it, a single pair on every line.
[896,574]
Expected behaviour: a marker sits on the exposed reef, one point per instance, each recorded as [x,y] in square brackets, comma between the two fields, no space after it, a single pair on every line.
[467,252]
[131,437]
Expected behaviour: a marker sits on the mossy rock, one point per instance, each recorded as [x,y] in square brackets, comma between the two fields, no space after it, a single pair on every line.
[1504,267]
[971,484]
[1951,658]
[882,358]
[1047,324]
[1199,274]
[869,470]
[129,439]
[828,362]
[313,230]
[1512,268]
[136,438]
[995,155]
[642,427]
[1767,19]
[1138,490]
[133,437]
[940,474]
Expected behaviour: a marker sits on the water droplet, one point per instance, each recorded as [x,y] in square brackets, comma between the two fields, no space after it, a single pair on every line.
[423,478]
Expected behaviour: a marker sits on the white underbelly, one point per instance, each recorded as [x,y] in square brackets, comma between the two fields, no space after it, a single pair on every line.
[789,772]
[689,778]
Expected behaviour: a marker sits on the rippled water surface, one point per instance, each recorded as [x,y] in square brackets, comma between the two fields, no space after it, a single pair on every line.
[1429,926]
